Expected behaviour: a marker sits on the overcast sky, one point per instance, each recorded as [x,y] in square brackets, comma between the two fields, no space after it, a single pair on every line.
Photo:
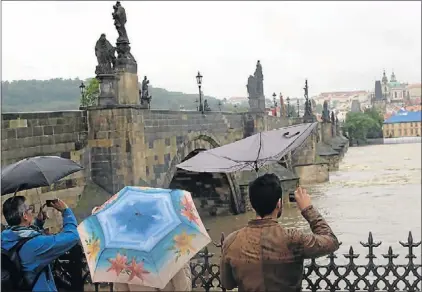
[336,45]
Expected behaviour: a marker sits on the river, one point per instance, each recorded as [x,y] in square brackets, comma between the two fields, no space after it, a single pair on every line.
[377,188]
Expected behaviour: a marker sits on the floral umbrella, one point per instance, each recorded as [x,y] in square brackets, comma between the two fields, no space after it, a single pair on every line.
[142,236]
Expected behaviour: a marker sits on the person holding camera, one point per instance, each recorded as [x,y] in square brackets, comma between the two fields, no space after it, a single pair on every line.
[35,250]
[264,256]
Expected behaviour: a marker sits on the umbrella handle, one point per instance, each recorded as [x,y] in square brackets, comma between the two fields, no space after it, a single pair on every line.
[286,135]
[17,190]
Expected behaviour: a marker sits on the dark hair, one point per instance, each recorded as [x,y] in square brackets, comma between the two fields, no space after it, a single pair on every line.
[13,209]
[264,193]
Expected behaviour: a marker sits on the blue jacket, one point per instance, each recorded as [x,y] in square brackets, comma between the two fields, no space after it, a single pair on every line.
[43,249]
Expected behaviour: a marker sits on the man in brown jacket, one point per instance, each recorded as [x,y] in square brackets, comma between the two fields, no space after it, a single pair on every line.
[264,256]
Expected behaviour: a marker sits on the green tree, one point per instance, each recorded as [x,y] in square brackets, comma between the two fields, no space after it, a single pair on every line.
[376,130]
[292,111]
[89,98]
[318,109]
[63,94]
[358,125]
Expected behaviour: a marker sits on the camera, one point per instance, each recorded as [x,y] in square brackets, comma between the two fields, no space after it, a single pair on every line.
[292,197]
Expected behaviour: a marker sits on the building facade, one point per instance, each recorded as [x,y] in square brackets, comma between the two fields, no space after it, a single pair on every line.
[403,124]
[393,90]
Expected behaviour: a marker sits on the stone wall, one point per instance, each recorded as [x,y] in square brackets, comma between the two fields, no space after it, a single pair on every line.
[47,133]
[333,162]
[127,145]
[312,173]
[136,146]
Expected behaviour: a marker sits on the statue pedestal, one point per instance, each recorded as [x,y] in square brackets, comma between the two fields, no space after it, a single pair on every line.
[145,103]
[128,88]
[108,89]
[256,105]
[127,72]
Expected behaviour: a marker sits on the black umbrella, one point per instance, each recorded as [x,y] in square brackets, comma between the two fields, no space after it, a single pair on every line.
[252,152]
[35,172]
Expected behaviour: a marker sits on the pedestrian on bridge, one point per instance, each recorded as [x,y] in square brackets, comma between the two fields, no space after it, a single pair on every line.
[264,256]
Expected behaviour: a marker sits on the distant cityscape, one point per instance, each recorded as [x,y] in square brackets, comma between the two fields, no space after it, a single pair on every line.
[391,97]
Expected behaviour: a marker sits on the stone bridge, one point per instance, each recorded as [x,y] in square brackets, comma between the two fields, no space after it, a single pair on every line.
[121,142]
[127,145]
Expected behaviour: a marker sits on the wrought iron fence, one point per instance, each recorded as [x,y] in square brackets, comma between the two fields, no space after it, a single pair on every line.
[332,276]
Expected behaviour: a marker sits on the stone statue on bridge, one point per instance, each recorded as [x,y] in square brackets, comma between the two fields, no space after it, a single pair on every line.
[325,112]
[206,106]
[124,58]
[308,116]
[283,110]
[119,16]
[144,87]
[255,89]
[259,77]
[105,54]
[251,87]
[144,93]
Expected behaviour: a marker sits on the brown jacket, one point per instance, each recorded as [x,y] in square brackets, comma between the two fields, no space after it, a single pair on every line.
[182,281]
[264,256]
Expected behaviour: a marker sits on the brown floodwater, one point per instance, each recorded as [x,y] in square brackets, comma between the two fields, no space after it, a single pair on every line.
[377,188]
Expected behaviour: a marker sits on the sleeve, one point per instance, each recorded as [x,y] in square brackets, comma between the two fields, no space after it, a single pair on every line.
[320,242]
[226,275]
[49,247]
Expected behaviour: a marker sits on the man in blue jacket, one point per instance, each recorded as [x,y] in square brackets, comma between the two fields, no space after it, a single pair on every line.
[40,251]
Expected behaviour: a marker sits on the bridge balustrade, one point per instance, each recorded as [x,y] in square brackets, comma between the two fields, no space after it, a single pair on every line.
[339,272]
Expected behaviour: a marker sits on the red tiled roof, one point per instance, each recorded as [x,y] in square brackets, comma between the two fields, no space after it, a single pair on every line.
[415,85]
[344,93]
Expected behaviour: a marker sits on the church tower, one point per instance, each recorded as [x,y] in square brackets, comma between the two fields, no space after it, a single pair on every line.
[385,92]
[393,77]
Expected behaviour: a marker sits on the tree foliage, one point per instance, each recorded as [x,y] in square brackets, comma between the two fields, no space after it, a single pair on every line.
[64,94]
[291,111]
[364,125]
[92,90]
[319,108]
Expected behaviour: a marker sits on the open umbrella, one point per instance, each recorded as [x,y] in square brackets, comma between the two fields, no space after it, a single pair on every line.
[142,236]
[252,152]
[35,172]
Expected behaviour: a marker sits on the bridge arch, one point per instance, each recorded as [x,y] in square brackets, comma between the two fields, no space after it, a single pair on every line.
[188,149]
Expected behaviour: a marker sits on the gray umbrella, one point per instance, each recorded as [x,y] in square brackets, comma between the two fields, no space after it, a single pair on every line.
[252,152]
[35,172]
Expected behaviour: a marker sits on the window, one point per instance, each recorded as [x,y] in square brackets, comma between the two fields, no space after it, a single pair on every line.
[399,132]
[395,94]
[405,132]
[411,132]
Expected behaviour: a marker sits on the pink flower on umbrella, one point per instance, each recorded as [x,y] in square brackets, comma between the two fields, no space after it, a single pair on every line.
[188,210]
[118,264]
[136,270]
[187,204]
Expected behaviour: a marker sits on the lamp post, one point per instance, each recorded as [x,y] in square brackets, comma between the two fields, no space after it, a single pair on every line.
[82,89]
[274,100]
[298,108]
[288,107]
[199,81]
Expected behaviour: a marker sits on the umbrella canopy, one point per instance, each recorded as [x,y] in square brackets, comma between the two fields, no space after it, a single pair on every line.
[34,172]
[252,152]
[142,236]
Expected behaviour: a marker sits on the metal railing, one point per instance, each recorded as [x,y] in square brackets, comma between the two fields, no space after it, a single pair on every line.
[331,276]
